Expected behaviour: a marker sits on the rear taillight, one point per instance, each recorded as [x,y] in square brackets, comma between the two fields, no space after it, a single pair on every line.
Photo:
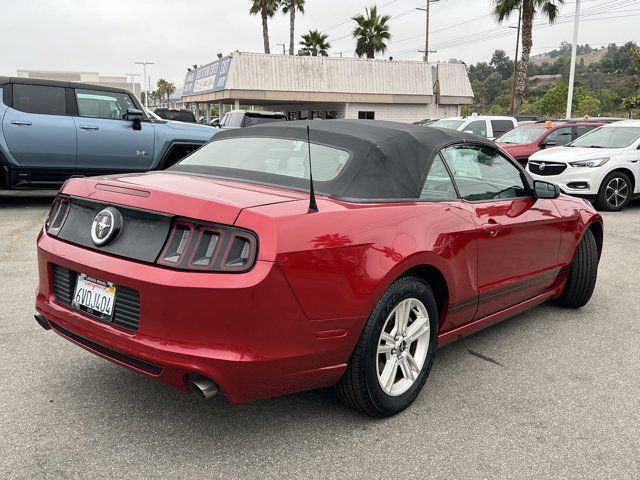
[209,247]
[57,215]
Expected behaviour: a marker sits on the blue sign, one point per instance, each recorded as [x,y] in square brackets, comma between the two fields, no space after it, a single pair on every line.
[208,78]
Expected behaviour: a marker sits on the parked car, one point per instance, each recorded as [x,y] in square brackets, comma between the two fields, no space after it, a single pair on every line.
[54,130]
[487,126]
[224,274]
[250,118]
[176,114]
[603,165]
[524,140]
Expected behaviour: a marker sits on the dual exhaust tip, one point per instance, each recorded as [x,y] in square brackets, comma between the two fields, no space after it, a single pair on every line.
[201,386]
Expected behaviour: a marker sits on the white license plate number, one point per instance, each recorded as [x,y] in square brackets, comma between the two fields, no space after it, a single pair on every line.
[95,297]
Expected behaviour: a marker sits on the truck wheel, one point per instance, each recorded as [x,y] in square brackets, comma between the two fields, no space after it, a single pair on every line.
[394,354]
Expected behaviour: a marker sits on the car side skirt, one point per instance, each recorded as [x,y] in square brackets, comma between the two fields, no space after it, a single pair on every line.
[481,323]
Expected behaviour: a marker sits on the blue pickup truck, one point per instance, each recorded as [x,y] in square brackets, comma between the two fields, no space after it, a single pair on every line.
[50,131]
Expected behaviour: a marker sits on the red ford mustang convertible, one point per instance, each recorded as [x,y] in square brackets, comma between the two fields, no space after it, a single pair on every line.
[300,255]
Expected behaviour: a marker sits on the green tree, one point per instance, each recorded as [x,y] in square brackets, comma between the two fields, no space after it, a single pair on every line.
[632,104]
[371,32]
[501,62]
[315,43]
[530,8]
[266,9]
[588,105]
[290,7]
[492,87]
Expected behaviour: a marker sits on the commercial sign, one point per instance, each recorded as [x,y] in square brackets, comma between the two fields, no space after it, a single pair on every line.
[208,78]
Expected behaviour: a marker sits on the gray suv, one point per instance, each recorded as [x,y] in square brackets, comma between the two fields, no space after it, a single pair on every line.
[53,130]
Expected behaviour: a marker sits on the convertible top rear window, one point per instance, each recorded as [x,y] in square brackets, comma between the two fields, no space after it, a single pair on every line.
[276,156]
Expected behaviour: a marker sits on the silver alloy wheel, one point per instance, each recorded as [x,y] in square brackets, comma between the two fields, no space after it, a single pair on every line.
[616,191]
[403,346]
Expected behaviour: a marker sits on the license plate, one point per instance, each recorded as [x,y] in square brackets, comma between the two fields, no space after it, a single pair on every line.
[95,297]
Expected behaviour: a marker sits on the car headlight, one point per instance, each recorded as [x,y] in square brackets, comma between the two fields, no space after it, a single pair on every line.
[596,162]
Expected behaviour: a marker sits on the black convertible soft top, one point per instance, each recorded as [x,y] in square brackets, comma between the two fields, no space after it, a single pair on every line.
[389,160]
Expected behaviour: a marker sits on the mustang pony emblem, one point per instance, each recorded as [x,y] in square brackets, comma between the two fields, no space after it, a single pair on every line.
[106,226]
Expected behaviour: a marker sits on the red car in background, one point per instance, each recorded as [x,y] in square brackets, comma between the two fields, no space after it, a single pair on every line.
[525,140]
[225,274]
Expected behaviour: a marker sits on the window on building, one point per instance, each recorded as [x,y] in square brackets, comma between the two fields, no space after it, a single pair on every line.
[101,104]
[366,115]
[39,99]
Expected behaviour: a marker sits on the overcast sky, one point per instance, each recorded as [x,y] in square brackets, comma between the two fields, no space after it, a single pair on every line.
[108,36]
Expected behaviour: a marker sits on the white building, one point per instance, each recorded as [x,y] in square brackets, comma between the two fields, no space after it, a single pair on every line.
[330,87]
[84,77]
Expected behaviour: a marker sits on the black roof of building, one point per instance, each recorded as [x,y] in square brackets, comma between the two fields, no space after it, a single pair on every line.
[388,161]
[57,83]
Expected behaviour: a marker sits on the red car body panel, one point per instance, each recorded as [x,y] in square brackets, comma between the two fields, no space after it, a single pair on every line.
[292,321]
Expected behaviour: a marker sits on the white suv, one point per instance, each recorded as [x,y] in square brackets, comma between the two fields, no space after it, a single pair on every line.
[603,165]
[488,126]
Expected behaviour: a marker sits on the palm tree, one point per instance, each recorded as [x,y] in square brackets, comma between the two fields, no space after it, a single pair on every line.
[266,9]
[315,43]
[371,32]
[164,88]
[503,10]
[290,7]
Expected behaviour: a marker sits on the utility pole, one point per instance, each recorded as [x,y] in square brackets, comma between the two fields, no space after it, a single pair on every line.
[284,51]
[574,51]
[515,63]
[146,80]
[426,40]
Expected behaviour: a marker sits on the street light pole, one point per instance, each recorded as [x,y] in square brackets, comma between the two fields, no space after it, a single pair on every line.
[146,81]
[574,51]
[133,78]
[515,63]
[283,47]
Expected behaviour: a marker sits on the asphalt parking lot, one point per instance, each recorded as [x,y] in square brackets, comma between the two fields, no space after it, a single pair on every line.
[551,393]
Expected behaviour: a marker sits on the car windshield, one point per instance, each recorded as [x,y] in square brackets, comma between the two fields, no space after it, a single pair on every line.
[272,156]
[520,135]
[251,120]
[608,137]
[445,123]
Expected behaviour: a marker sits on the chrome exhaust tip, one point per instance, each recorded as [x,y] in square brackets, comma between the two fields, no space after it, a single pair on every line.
[42,321]
[202,387]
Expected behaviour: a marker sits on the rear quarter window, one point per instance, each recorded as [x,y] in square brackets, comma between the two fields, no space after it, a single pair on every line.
[501,126]
[39,99]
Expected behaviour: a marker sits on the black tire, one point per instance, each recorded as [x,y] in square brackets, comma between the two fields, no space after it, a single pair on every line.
[582,276]
[603,201]
[359,386]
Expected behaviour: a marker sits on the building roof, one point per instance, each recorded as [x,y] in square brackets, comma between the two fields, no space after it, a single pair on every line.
[453,84]
[387,160]
[287,78]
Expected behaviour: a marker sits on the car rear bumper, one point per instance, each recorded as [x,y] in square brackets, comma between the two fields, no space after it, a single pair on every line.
[246,332]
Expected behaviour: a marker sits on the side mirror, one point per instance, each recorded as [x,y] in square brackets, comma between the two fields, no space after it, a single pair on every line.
[135,116]
[215,123]
[545,144]
[545,190]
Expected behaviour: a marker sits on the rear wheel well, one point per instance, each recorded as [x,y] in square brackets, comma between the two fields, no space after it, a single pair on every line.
[176,153]
[436,281]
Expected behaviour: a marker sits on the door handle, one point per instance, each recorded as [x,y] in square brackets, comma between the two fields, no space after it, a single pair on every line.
[22,123]
[491,227]
[89,127]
